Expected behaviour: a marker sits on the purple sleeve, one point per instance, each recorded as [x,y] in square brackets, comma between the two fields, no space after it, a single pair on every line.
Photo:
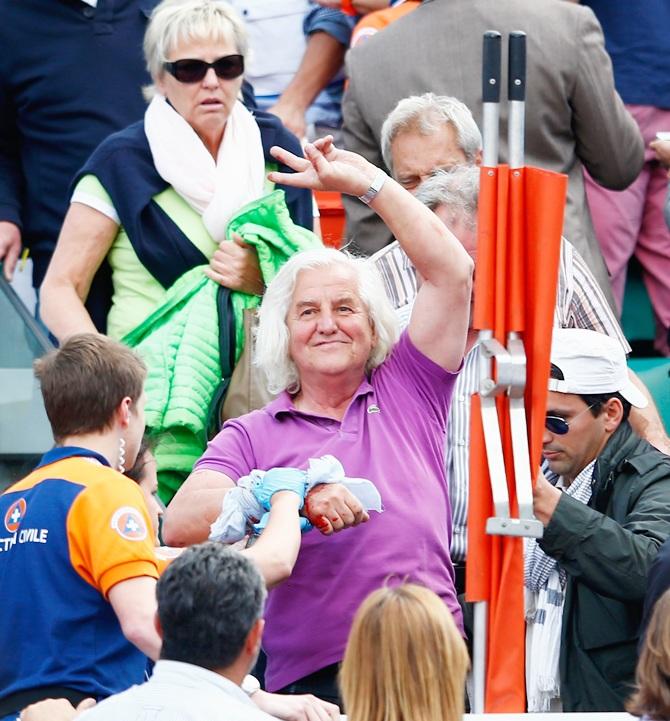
[432,384]
[230,451]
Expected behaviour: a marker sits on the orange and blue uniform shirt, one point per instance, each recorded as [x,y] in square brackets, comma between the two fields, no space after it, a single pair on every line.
[70,531]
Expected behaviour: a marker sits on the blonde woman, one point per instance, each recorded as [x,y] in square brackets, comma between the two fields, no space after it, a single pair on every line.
[154,200]
[405,659]
[651,699]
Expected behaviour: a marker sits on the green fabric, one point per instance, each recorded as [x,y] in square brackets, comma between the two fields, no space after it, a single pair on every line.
[607,548]
[269,228]
[179,341]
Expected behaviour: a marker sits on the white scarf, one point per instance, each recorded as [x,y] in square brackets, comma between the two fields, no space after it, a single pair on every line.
[218,189]
[544,582]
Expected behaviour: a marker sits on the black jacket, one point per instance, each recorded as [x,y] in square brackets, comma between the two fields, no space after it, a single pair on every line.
[607,548]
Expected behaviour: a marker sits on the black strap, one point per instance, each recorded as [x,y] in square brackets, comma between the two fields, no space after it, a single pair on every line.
[19,700]
[226,357]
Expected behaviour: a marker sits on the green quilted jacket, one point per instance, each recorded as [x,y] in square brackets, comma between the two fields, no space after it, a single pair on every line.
[185,348]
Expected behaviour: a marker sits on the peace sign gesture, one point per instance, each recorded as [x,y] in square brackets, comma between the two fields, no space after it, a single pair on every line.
[325,167]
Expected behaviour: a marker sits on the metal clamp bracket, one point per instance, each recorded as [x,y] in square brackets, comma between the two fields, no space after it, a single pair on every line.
[510,378]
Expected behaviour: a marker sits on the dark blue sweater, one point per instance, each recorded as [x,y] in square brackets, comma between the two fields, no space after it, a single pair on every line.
[69,76]
[637,37]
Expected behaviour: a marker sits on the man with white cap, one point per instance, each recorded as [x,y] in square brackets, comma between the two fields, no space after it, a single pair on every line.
[604,501]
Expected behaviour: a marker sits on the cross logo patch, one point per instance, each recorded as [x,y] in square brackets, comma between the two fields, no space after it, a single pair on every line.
[129,523]
[15,514]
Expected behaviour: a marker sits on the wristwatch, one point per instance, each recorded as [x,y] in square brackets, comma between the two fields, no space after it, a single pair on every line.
[376,185]
[250,684]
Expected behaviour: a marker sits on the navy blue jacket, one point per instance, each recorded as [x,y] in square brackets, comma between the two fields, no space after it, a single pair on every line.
[637,40]
[124,165]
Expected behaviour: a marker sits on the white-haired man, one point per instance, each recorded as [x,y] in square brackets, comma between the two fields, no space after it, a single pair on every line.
[454,196]
[328,338]
[605,507]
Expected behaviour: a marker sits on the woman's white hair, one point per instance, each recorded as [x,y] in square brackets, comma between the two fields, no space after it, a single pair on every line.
[272,338]
[174,22]
[456,189]
[427,113]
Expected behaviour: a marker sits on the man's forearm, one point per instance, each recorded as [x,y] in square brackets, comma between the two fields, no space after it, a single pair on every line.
[276,550]
[323,57]
[611,558]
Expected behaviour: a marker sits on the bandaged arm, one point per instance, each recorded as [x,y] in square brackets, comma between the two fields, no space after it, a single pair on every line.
[198,503]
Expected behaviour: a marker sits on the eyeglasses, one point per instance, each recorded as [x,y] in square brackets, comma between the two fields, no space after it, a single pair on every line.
[559,426]
[189,70]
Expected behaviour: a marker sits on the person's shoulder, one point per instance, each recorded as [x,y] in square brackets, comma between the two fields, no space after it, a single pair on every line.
[405,360]
[124,159]
[130,139]
[102,485]
[645,456]
[274,132]
[553,21]
[648,462]
[120,705]
[381,46]
[255,420]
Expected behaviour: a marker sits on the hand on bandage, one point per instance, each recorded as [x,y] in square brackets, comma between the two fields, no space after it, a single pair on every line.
[279,479]
[258,528]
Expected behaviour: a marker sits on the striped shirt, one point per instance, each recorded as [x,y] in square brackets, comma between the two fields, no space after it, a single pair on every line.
[580,303]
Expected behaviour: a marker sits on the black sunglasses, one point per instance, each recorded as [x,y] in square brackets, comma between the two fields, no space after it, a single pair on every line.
[559,426]
[228,67]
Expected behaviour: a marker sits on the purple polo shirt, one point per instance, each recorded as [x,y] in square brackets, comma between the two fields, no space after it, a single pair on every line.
[391,433]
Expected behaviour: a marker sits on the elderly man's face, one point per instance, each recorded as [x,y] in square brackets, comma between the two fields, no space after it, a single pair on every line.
[568,454]
[416,156]
[329,327]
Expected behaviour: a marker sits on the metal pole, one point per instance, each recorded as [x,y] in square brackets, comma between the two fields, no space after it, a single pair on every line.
[491,96]
[517,98]
[491,57]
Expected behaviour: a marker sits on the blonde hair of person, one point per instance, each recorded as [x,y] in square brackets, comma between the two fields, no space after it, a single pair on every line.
[652,676]
[174,22]
[405,659]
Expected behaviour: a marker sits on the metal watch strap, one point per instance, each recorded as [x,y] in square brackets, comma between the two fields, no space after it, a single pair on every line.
[376,185]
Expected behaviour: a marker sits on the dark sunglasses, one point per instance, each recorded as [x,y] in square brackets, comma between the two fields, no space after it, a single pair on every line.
[228,67]
[559,426]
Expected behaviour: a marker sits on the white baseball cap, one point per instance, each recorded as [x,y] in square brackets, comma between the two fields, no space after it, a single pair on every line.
[591,363]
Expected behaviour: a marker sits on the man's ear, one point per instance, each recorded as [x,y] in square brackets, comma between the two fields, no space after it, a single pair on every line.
[612,413]
[157,625]
[252,644]
[123,412]
[478,157]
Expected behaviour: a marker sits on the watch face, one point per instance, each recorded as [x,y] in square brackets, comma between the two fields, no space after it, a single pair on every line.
[250,684]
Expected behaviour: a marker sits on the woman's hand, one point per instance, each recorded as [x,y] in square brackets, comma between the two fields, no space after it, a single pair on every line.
[10,247]
[55,709]
[325,167]
[235,265]
[304,707]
